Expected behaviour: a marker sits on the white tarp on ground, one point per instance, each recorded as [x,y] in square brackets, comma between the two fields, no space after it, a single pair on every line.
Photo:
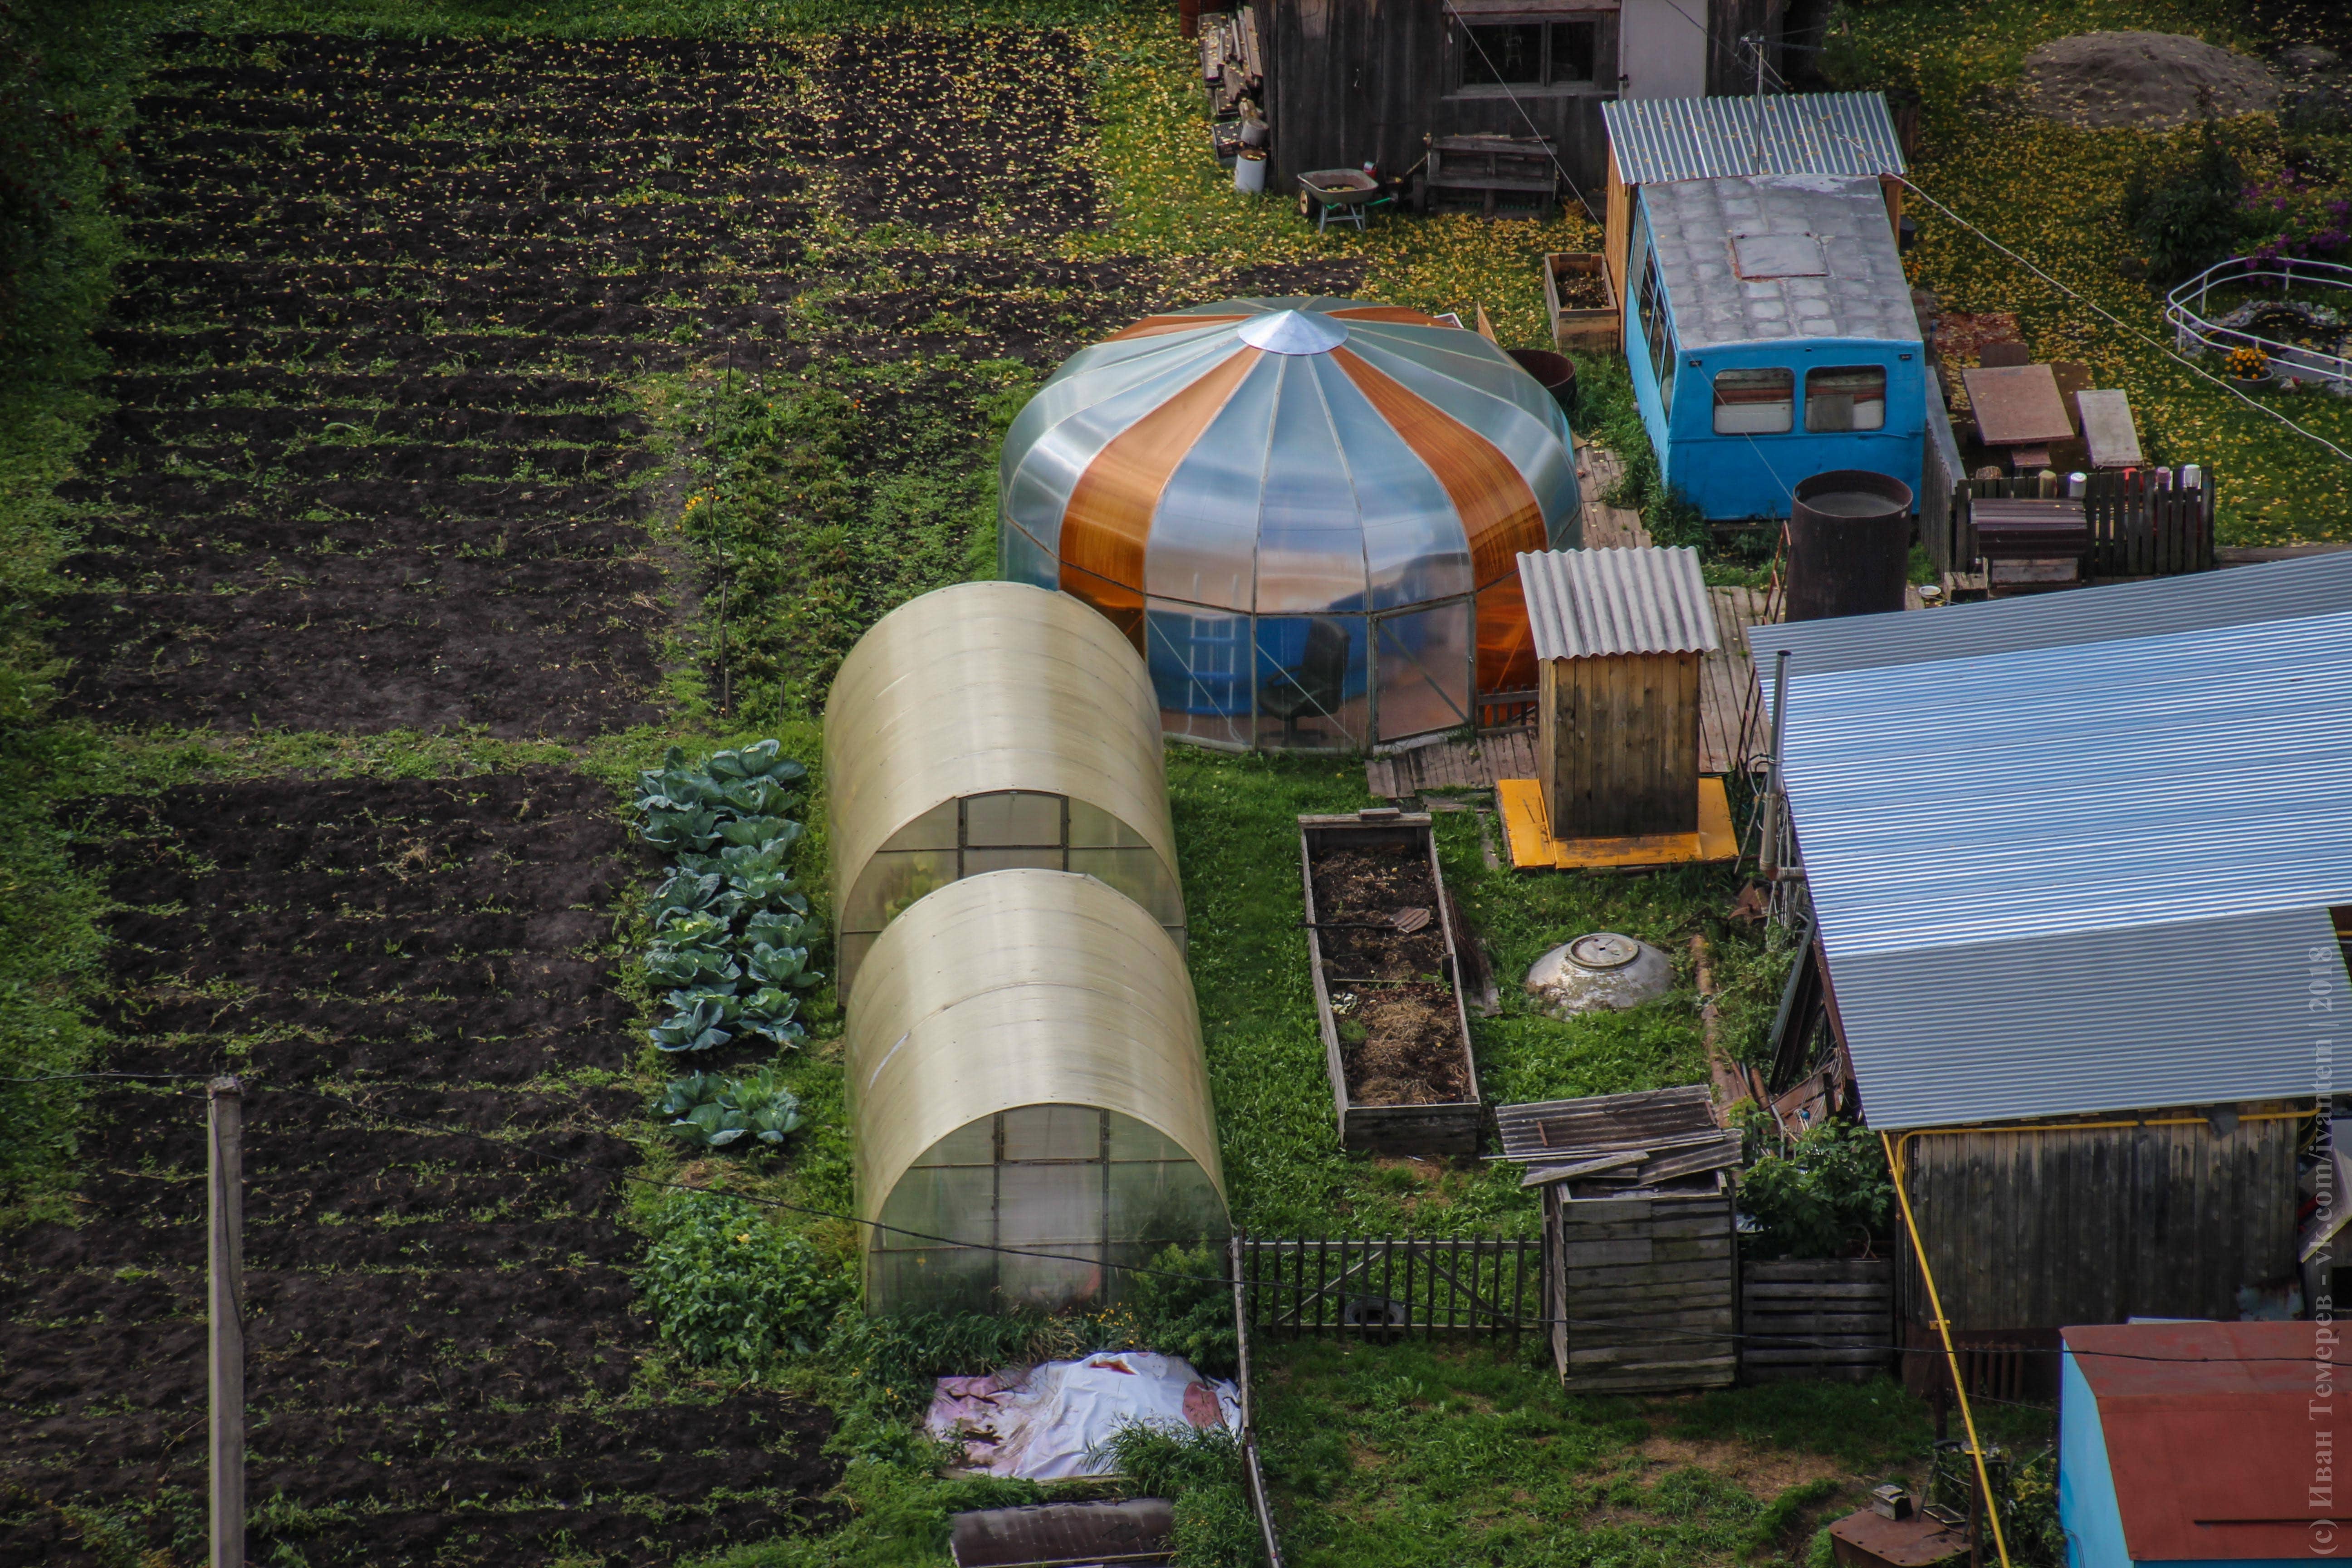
[1044,1423]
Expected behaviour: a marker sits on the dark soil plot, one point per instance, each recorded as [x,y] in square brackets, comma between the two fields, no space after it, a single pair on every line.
[440,1325]
[336,228]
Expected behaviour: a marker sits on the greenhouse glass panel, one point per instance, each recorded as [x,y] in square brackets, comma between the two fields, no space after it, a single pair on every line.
[893,880]
[1040,1132]
[1201,672]
[1139,875]
[935,829]
[1312,687]
[1091,827]
[1423,666]
[1012,818]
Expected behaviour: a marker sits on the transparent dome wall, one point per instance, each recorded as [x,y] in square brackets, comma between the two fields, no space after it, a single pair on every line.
[989,726]
[1305,514]
[1025,1072]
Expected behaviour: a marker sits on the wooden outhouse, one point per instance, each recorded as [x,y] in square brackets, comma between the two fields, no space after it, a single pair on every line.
[1641,1263]
[1618,638]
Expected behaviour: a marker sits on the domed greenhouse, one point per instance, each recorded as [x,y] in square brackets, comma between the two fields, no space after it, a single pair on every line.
[1305,514]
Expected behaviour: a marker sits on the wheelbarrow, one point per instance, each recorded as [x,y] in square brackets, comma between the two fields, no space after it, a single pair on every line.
[1346,193]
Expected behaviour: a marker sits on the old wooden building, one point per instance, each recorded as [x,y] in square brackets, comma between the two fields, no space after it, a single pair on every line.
[1618,635]
[2081,937]
[1389,82]
[1640,1259]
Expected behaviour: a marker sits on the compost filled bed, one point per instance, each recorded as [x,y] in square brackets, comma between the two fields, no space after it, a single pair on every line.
[1381,944]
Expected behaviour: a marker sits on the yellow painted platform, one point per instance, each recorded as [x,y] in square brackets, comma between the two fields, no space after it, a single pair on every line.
[1527,830]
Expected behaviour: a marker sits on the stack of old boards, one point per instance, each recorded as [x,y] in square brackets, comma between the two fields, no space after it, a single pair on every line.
[1026,1080]
[1640,1259]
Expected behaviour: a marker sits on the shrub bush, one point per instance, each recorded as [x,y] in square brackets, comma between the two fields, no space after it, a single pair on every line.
[1827,1194]
[729,1286]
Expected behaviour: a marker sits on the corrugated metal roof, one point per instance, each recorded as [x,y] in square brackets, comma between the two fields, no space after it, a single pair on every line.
[1860,290]
[1664,139]
[1588,603]
[2053,880]
[2207,1434]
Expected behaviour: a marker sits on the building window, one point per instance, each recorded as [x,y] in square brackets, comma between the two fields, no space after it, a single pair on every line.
[1528,54]
[1846,397]
[1657,332]
[1754,402]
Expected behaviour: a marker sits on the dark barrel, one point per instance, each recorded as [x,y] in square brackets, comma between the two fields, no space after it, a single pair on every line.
[1849,544]
[1556,370]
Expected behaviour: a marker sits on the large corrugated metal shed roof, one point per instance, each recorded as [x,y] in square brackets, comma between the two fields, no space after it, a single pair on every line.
[1664,139]
[1768,258]
[2076,853]
[1590,604]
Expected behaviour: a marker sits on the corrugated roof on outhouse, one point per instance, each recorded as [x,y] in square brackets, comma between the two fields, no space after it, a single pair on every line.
[1588,603]
[2123,821]
[1662,139]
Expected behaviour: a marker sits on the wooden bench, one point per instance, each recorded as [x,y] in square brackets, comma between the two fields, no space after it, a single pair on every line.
[1496,172]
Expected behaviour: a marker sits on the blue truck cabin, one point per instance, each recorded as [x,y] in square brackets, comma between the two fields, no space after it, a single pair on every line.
[1770,337]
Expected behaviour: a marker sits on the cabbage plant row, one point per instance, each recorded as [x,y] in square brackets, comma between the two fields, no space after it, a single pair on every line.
[729,921]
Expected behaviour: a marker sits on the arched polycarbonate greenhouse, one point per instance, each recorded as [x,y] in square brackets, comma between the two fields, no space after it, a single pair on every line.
[1305,514]
[1025,1073]
[992,725]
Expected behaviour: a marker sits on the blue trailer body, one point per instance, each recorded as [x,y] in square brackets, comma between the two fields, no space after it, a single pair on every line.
[1770,333]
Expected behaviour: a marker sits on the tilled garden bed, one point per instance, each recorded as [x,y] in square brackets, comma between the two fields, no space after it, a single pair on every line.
[442,1332]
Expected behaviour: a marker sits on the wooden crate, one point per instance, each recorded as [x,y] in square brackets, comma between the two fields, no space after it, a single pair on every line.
[1584,329]
[1640,1291]
[1825,1319]
[1448,1129]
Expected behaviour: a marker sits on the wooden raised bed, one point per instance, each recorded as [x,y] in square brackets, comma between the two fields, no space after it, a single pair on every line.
[1589,329]
[1396,1040]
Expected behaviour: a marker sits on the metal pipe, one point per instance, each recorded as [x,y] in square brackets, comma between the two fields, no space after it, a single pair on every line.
[1951,1356]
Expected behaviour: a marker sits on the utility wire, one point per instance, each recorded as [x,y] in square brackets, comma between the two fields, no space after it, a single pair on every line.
[1217,1280]
[1541,140]
[2166,349]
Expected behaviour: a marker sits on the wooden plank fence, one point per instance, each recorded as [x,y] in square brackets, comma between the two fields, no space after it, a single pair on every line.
[1831,1319]
[1389,1288]
[2140,527]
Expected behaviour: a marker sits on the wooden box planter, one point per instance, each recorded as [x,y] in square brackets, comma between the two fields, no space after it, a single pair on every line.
[1396,1040]
[1827,1319]
[1588,329]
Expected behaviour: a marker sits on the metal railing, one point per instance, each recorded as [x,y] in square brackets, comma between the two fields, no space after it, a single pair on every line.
[2187,309]
[1385,1288]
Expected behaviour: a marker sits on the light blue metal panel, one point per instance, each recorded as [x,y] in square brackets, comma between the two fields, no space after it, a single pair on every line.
[1664,139]
[2203,601]
[2087,1506]
[1203,542]
[1536,442]
[1066,426]
[2198,1013]
[1311,541]
[2044,791]
[1414,548]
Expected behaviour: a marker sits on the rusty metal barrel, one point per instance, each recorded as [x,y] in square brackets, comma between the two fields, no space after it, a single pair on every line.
[1556,370]
[1849,544]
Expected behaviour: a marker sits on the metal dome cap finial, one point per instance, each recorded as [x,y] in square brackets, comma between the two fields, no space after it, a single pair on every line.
[1294,333]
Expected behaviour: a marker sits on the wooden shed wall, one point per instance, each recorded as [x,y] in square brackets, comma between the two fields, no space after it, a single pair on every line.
[2039,1229]
[1640,1292]
[1617,749]
[1356,81]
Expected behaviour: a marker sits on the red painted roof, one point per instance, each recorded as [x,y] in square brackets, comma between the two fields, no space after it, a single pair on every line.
[2216,1441]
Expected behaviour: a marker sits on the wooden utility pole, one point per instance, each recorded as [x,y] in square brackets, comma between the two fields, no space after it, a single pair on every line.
[227,1119]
